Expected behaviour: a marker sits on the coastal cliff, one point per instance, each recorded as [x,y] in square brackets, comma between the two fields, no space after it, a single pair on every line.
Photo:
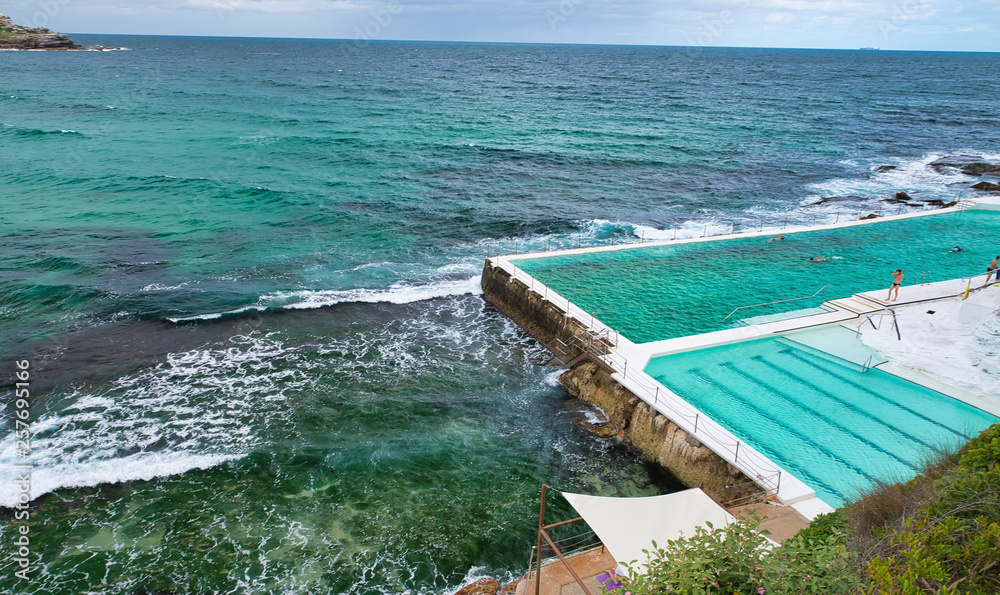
[18,37]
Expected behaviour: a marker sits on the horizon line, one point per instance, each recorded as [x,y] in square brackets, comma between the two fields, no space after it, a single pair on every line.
[873,49]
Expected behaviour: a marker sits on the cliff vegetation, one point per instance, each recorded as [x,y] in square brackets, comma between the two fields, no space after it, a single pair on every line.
[938,533]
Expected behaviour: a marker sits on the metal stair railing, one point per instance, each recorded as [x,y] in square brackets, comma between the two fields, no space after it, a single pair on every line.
[776,302]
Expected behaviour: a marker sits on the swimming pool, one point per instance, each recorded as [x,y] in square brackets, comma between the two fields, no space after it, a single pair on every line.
[831,424]
[650,293]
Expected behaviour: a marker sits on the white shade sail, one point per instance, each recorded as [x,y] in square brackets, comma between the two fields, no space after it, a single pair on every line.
[629,525]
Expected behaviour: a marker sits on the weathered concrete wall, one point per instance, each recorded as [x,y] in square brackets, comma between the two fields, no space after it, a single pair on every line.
[539,317]
[652,435]
[657,438]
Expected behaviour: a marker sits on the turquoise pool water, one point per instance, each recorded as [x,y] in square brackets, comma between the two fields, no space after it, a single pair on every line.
[833,426]
[661,292]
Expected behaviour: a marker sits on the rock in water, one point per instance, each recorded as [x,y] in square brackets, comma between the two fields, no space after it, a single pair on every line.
[903,196]
[838,198]
[985,186]
[483,586]
[510,588]
[968,164]
[978,169]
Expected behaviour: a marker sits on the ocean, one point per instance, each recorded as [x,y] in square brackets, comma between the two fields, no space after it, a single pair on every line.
[244,275]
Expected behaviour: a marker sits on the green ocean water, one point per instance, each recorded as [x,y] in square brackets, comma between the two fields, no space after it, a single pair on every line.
[245,274]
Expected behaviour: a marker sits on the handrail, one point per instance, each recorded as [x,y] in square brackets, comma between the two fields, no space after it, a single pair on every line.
[776,302]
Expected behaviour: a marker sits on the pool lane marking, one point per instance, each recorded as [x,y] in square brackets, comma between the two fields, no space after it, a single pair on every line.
[815,413]
[846,404]
[878,396]
[802,437]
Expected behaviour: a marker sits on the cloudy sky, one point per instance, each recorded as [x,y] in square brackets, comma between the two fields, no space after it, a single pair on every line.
[888,24]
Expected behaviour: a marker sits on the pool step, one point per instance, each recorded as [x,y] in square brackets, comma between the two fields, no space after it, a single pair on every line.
[856,304]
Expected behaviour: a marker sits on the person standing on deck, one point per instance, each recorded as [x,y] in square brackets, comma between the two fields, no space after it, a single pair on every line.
[897,280]
[992,269]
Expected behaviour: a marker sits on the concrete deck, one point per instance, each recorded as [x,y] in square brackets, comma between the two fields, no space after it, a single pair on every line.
[556,579]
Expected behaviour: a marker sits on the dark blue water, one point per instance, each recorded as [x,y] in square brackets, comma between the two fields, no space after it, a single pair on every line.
[245,273]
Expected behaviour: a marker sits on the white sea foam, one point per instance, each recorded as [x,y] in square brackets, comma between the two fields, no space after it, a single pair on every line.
[685,230]
[914,176]
[959,342]
[552,378]
[162,287]
[595,415]
[196,410]
[397,293]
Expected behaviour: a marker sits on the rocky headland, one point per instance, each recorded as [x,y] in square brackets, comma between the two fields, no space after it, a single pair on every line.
[19,37]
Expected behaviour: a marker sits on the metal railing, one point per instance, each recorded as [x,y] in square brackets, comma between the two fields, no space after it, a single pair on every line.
[537,552]
[820,290]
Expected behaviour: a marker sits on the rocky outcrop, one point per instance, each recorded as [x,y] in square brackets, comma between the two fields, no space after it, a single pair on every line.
[483,586]
[969,164]
[985,186]
[510,588]
[18,37]
[657,438]
[839,198]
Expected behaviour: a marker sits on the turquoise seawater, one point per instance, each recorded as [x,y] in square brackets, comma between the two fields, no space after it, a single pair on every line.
[246,275]
[834,426]
[662,292]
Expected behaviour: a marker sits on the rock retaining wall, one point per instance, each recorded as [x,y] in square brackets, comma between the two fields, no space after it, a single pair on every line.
[651,434]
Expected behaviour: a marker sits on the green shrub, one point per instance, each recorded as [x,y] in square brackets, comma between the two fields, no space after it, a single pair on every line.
[951,544]
[738,559]
[825,526]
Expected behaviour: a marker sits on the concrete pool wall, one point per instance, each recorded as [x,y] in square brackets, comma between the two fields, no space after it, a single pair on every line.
[657,423]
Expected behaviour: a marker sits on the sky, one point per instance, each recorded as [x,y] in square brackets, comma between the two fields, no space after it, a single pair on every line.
[937,25]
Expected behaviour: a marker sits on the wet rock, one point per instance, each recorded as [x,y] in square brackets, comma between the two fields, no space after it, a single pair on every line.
[605,430]
[974,165]
[978,169]
[839,198]
[954,162]
[985,186]
[885,168]
[483,586]
[868,216]
[903,196]
[510,588]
